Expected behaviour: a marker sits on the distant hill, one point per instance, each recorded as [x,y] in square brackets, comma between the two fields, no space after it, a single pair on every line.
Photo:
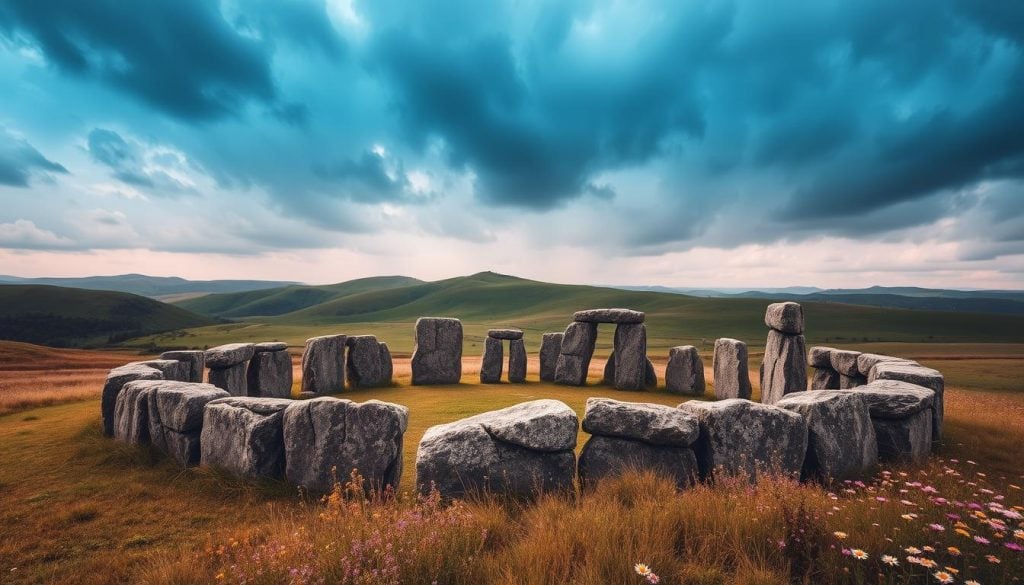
[72,317]
[150,286]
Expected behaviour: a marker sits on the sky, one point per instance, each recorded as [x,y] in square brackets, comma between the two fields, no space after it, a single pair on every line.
[839,143]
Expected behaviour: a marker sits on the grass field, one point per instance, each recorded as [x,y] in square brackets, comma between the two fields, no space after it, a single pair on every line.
[88,510]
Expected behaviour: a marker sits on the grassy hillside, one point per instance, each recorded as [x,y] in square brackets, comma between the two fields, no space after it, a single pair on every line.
[150,286]
[71,317]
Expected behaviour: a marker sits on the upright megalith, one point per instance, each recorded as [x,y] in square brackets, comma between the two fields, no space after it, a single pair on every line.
[493,361]
[650,374]
[630,354]
[176,417]
[326,439]
[365,364]
[627,366]
[323,364]
[841,438]
[269,374]
[784,368]
[227,365]
[732,378]
[575,353]
[116,379]
[902,415]
[194,358]
[914,373]
[684,373]
[437,357]
[628,436]
[521,451]
[550,346]
[243,435]
[743,438]
[517,361]
[387,366]
[131,414]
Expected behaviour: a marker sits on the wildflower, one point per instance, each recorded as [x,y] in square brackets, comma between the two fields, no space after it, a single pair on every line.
[1018,534]
[909,517]
[993,559]
[840,535]
[943,577]
[927,563]
[653,579]
[982,540]
[890,560]
[962,532]
[914,560]
[971,582]
[928,548]
[953,551]
[1013,546]
[642,569]
[859,554]
[913,550]
[937,527]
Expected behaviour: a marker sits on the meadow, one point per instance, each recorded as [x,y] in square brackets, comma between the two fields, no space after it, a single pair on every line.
[80,508]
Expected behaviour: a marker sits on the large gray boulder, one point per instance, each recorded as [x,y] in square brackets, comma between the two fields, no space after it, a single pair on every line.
[326,439]
[630,346]
[825,379]
[171,369]
[784,368]
[516,361]
[230,354]
[618,316]
[914,373]
[231,379]
[505,333]
[116,379]
[520,451]
[176,417]
[785,317]
[437,357]
[650,374]
[654,424]
[131,414]
[492,361]
[851,382]
[866,361]
[844,361]
[902,414]
[732,379]
[684,373]
[364,364]
[195,359]
[387,372]
[894,399]
[743,438]
[323,364]
[550,347]
[604,456]
[576,351]
[820,357]
[243,435]
[269,374]
[841,439]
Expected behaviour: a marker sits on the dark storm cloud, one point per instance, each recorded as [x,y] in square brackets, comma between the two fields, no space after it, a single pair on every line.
[128,161]
[366,179]
[19,161]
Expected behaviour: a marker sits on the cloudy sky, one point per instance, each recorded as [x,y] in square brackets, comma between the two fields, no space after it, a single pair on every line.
[832,143]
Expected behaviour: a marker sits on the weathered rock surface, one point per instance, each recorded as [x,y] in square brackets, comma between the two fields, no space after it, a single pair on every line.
[851,382]
[655,424]
[176,417]
[916,374]
[844,361]
[323,364]
[630,356]
[576,350]
[825,379]
[505,333]
[387,370]
[230,354]
[784,369]
[650,375]
[618,316]
[732,379]
[325,434]
[437,357]
[243,435]
[520,450]
[550,347]
[269,374]
[131,414]
[866,361]
[841,439]
[820,357]
[116,379]
[895,399]
[269,346]
[906,439]
[364,366]
[492,362]
[195,359]
[785,317]
[232,379]
[684,373]
[742,438]
[516,361]
[605,456]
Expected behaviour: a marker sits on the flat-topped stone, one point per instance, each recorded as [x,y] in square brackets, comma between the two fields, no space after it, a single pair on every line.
[171,369]
[786,317]
[176,417]
[895,399]
[820,357]
[844,361]
[922,376]
[116,379]
[866,361]
[655,424]
[269,346]
[618,316]
[196,360]
[230,354]
[539,425]
[841,438]
[243,435]
[505,333]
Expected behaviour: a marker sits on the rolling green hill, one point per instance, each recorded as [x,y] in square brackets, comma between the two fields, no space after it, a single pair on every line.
[72,317]
[150,286]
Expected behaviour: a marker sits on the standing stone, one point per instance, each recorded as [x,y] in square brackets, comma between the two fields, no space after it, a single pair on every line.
[195,360]
[232,379]
[116,379]
[269,374]
[550,346]
[364,366]
[172,369]
[577,349]
[516,361]
[227,365]
[841,439]
[785,317]
[650,375]
[784,369]
[630,353]
[131,415]
[845,361]
[387,370]
[915,373]
[437,357]
[326,439]
[176,417]
[323,364]
[732,379]
[820,357]
[492,362]
[685,371]
[901,413]
[825,379]
[244,436]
